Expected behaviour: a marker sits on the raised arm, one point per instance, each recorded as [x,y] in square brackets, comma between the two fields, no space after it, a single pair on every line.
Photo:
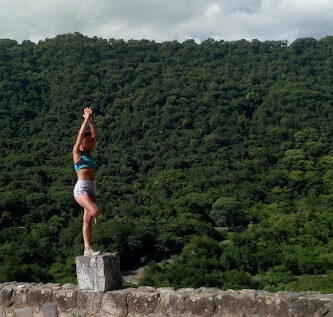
[92,129]
[76,147]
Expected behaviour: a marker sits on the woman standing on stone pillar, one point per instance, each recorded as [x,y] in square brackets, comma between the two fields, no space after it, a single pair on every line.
[85,188]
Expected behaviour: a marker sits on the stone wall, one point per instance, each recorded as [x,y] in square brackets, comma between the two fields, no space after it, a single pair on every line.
[49,300]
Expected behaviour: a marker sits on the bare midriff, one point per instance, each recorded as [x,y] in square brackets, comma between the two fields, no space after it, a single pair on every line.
[86,173]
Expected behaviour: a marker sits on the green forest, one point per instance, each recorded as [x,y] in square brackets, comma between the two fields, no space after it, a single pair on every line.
[214,161]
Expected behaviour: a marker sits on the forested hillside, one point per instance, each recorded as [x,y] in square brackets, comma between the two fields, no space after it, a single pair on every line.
[214,160]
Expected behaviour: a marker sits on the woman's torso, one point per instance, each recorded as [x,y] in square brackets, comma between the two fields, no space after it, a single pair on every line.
[84,172]
[87,173]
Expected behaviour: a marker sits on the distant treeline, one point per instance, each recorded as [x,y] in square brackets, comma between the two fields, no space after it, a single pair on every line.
[214,160]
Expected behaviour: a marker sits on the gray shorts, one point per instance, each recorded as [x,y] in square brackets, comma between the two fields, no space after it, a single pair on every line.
[83,186]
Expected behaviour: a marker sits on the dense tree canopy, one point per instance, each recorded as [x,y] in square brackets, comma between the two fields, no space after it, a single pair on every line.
[214,160]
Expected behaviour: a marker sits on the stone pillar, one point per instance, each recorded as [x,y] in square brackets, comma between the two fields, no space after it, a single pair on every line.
[98,273]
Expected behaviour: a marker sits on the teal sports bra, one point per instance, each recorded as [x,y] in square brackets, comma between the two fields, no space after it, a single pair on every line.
[86,160]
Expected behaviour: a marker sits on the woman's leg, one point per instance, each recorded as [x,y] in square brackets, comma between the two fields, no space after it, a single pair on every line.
[86,228]
[90,210]
[87,203]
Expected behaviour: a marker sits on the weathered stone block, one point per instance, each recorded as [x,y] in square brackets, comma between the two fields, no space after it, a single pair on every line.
[98,273]
[20,295]
[90,302]
[49,310]
[308,305]
[327,308]
[65,299]
[23,312]
[2,311]
[226,304]
[142,302]
[171,303]
[74,313]
[265,303]
[114,303]
[39,295]
[68,286]
[7,295]
[200,303]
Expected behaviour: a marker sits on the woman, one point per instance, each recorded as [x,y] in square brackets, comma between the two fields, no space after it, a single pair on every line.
[85,188]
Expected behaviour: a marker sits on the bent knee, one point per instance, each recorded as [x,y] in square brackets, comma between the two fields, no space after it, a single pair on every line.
[94,212]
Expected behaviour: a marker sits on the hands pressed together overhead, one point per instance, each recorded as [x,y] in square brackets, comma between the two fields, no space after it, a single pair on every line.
[87,113]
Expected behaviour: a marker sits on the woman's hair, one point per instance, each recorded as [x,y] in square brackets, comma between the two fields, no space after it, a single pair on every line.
[86,133]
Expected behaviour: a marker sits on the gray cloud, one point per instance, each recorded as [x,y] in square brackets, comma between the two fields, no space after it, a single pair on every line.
[162,20]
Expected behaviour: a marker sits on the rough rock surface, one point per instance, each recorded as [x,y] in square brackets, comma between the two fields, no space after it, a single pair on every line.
[98,273]
[56,300]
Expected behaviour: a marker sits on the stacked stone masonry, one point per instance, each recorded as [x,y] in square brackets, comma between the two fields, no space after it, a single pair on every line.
[49,300]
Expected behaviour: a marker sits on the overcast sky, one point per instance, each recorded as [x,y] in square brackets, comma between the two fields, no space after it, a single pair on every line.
[167,20]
